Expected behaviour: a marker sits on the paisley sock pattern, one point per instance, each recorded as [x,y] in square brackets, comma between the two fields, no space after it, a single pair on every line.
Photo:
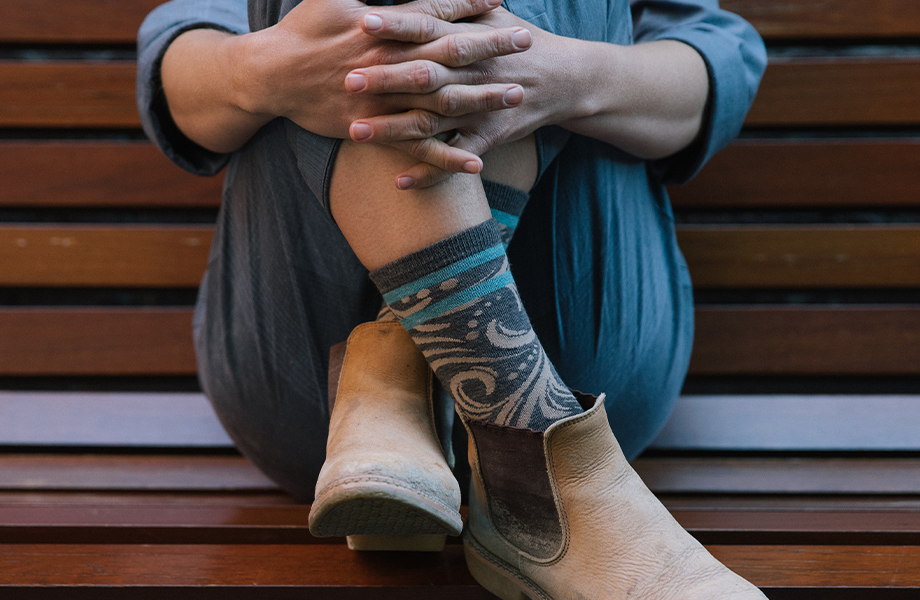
[458,301]
[507,205]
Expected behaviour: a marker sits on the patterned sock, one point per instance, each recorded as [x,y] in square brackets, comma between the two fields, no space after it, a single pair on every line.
[458,301]
[507,205]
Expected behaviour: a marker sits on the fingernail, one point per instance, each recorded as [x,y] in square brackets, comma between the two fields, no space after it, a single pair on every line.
[514,96]
[360,131]
[493,3]
[471,166]
[372,22]
[355,82]
[521,39]
[405,183]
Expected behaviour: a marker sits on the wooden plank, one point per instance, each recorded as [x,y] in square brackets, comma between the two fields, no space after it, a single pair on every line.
[838,91]
[682,475]
[806,340]
[143,472]
[794,92]
[787,422]
[72,21]
[735,256]
[189,570]
[68,94]
[89,341]
[104,255]
[794,340]
[800,19]
[109,419]
[91,521]
[788,256]
[98,174]
[805,173]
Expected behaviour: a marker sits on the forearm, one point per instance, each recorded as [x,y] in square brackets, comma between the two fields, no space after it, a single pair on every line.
[202,72]
[648,99]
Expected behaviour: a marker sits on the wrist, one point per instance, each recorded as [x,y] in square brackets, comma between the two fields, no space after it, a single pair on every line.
[249,80]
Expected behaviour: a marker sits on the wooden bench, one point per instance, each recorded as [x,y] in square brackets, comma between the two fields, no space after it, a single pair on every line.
[793,455]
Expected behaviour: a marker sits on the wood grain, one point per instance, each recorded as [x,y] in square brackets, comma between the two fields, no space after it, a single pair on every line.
[72,21]
[803,173]
[793,422]
[794,92]
[810,340]
[119,419]
[98,174]
[838,91]
[142,473]
[104,255]
[185,568]
[800,19]
[91,520]
[806,340]
[705,475]
[96,341]
[68,94]
[836,256]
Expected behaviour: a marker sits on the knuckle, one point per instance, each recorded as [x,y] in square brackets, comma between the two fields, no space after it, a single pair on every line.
[459,50]
[426,123]
[424,76]
[450,102]
[428,29]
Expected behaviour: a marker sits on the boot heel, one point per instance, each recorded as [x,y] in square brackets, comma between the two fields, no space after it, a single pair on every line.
[492,577]
[422,542]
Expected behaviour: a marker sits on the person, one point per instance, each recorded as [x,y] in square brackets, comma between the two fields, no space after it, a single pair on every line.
[562,105]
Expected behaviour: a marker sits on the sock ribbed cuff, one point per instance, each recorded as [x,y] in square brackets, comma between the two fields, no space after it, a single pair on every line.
[436,257]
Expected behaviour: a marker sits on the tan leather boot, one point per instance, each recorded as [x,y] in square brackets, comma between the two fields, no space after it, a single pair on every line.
[385,483]
[562,515]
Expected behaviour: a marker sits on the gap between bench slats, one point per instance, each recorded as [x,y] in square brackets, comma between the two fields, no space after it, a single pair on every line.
[734,256]
[803,92]
[791,340]
[91,174]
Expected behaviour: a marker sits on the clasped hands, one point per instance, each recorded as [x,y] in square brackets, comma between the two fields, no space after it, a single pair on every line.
[433,78]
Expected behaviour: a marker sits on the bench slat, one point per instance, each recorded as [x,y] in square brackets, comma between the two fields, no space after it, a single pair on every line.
[117,21]
[148,523]
[735,256]
[840,91]
[98,174]
[804,173]
[63,567]
[802,256]
[96,341]
[794,92]
[724,422]
[781,422]
[68,94]
[114,472]
[797,19]
[73,21]
[707,475]
[109,419]
[805,340]
[104,255]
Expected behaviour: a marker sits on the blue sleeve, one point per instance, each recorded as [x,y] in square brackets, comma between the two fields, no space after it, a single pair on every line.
[158,30]
[735,58]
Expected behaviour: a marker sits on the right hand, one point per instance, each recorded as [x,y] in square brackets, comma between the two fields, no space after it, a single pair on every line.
[297,68]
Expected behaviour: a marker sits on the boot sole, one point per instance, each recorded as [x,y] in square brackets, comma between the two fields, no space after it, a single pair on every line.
[496,575]
[382,508]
